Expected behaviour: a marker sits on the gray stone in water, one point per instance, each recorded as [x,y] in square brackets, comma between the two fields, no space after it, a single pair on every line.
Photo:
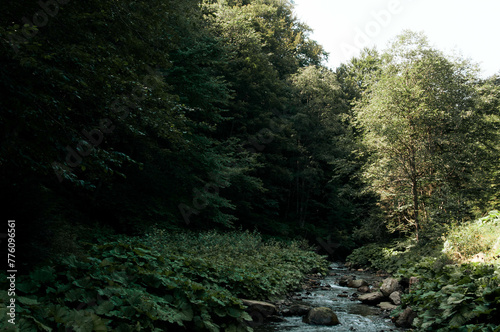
[275,319]
[386,306]
[364,289]
[264,308]
[357,283]
[371,298]
[296,310]
[344,280]
[321,316]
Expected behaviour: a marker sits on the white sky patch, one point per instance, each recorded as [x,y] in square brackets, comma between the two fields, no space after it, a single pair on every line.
[343,27]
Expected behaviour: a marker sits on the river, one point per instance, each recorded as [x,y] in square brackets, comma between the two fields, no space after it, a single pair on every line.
[352,314]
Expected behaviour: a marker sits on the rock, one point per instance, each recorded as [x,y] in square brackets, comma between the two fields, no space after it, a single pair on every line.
[344,280]
[405,319]
[389,286]
[386,306]
[478,258]
[412,282]
[274,318]
[321,316]
[372,298]
[296,310]
[396,297]
[381,273]
[364,289]
[264,308]
[356,283]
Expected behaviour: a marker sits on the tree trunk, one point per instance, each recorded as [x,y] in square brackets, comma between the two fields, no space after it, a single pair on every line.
[414,184]
[415,205]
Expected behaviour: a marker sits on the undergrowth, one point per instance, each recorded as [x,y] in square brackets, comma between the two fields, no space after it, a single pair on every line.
[479,236]
[453,293]
[162,282]
[462,297]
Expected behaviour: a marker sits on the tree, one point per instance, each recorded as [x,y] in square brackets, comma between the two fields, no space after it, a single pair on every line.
[324,195]
[424,132]
[489,104]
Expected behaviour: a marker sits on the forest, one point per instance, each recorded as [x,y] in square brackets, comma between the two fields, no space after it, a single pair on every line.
[163,159]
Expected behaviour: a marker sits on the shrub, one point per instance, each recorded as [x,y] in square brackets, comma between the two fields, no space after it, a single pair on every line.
[482,235]
[242,261]
[123,286]
[392,256]
[185,281]
[454,298]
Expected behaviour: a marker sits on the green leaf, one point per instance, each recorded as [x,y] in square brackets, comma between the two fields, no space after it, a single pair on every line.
[27,301]
[44,274]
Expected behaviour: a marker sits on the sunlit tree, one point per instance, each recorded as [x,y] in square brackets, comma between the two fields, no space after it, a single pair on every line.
[424,133]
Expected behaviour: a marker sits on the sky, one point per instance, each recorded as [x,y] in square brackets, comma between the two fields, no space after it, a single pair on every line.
[464,27]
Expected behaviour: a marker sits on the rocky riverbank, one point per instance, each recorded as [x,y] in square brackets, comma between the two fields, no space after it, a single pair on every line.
[344,300]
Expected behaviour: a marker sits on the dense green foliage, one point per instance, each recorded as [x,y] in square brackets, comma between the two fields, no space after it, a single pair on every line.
[453,293]
[454,298]
[479,236]
[425,130]
[199,114]
[188,282]
[394,255]
[216,115]
[243,262]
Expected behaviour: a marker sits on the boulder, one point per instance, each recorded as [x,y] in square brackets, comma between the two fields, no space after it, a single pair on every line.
[386,306]
[344,280]
[275,319]
[396,297]
[357,283]
[296,310]
[321,316]
[264,308]
[364,289]
[371,298]
[405,319]
[389,286]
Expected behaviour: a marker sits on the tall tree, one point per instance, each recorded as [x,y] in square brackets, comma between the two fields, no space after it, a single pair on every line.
[420,121]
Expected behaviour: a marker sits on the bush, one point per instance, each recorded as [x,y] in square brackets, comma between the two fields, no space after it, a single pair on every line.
[480,236]
[454,298]
[187,281]
[242,262]
[392,256]
[447,297]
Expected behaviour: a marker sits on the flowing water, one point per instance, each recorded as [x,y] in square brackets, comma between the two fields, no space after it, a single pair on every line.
[352,314]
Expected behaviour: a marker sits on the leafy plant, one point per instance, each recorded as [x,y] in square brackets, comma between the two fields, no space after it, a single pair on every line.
[455,298]
[181,281]
[479,236]
[123,286]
